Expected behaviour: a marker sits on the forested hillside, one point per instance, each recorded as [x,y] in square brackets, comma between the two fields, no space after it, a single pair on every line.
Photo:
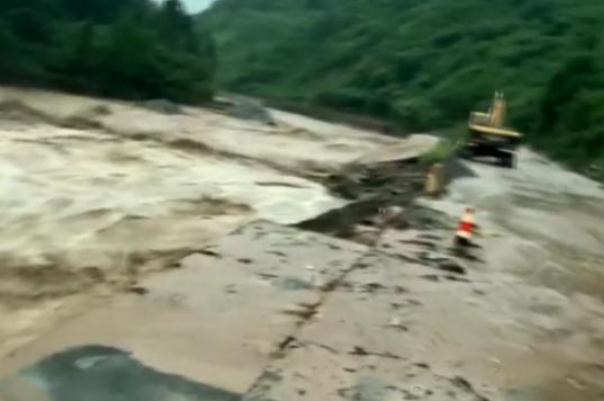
[425,64]
[124,48]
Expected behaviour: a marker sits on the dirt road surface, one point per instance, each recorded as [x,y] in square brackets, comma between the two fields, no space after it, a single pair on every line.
[252,307]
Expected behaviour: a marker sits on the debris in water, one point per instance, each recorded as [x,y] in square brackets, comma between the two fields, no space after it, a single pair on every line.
[360,351]
[138,290]
[209,252]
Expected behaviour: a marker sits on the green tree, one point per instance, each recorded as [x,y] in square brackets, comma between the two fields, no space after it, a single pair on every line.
[128,48]
[574,77]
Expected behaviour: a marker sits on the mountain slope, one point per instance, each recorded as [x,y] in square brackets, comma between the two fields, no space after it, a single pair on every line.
[425,63]
[119,48]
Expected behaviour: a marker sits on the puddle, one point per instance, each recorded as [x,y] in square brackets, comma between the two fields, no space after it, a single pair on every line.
[99,373]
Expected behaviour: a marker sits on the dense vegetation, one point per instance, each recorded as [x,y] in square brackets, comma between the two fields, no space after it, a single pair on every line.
[426,63]
[124,48]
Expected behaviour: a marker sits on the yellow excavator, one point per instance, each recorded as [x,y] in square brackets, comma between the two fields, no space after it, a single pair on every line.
[489,137]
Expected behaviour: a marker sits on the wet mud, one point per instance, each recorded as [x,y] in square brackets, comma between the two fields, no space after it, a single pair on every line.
[379,196]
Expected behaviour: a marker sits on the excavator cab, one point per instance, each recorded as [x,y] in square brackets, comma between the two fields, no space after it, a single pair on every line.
[489,137]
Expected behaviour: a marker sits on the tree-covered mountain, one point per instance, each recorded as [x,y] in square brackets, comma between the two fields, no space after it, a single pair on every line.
[426,63]
[124,48]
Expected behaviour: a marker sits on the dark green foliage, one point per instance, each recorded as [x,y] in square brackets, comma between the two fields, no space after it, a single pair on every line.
[133,49]
[571,127]
[425,64]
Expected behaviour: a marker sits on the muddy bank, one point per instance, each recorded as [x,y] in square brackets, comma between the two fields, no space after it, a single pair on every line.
[379,196]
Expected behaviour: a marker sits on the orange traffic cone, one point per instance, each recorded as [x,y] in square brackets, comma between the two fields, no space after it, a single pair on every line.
[465,228]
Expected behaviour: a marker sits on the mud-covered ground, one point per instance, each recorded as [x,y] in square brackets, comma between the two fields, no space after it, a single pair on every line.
[379,196]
